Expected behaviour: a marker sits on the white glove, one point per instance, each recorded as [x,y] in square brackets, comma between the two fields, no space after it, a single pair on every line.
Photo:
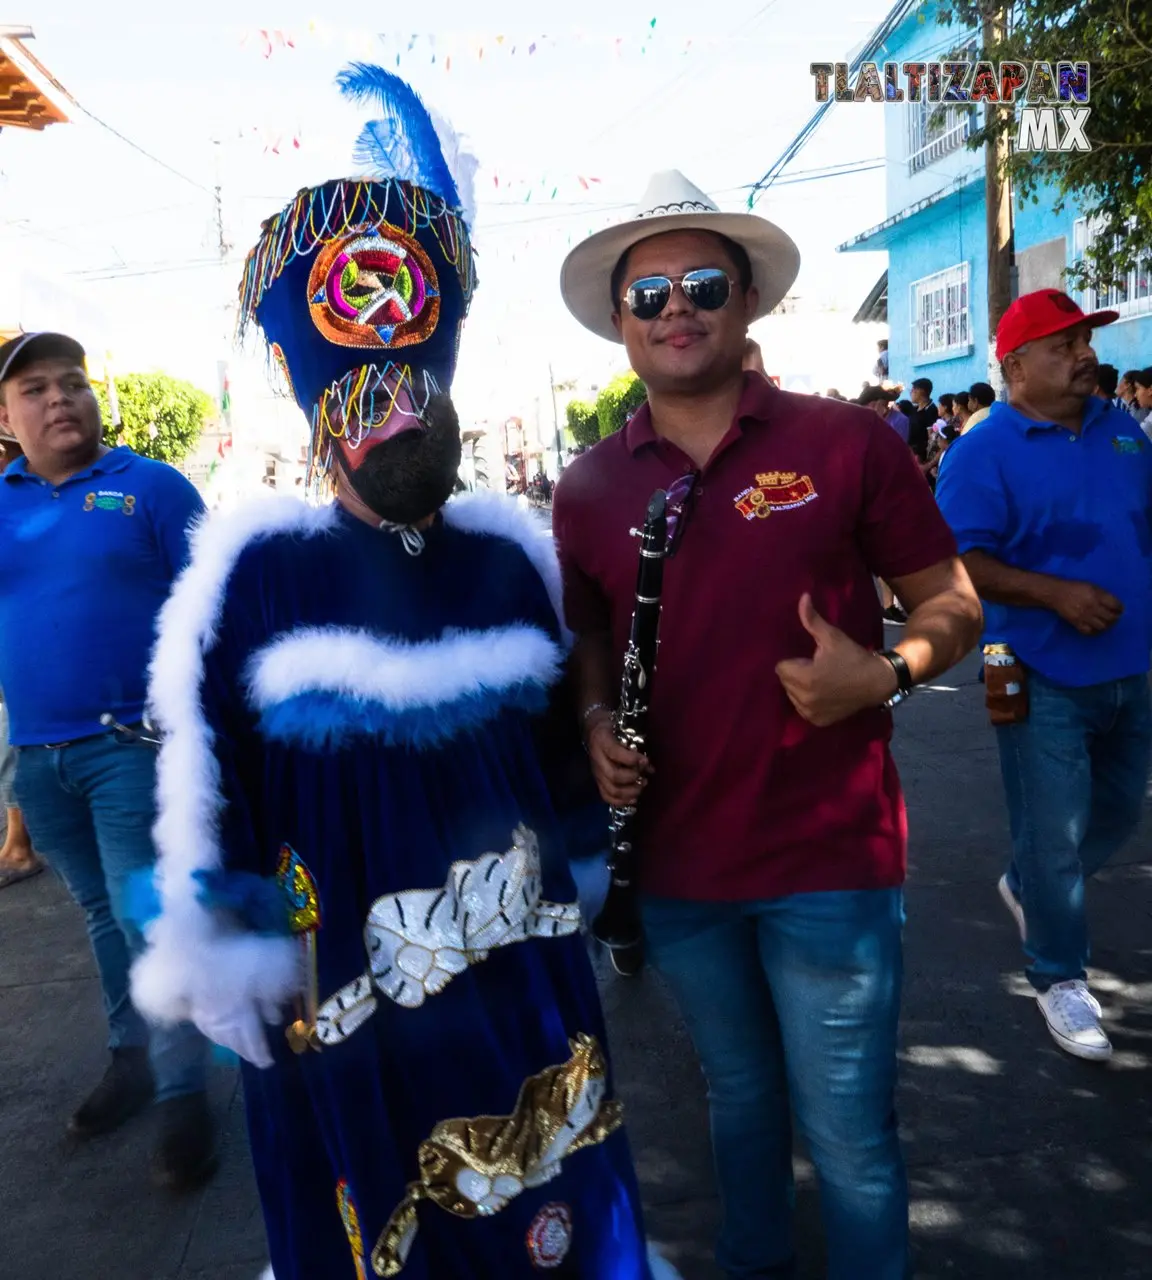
[240,1029]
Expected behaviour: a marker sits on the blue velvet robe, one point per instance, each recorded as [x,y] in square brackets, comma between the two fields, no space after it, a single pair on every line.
[374,799]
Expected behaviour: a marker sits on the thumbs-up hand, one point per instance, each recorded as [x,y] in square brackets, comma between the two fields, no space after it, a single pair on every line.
[839,679]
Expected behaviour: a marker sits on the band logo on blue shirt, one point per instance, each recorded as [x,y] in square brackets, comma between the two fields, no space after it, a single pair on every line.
[110,500]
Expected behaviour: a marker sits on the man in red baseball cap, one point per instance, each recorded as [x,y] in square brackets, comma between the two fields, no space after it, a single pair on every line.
[1041,314]
[1058,542]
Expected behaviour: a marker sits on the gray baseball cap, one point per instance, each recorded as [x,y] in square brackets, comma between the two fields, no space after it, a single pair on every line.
[19,352]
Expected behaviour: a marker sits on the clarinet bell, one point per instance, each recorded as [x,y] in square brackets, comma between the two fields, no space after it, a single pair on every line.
[627,961]
[618,928]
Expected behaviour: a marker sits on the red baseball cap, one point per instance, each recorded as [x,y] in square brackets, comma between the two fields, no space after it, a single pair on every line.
[1036,315]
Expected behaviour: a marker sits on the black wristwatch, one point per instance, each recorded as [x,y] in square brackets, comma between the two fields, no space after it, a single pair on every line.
[904,685]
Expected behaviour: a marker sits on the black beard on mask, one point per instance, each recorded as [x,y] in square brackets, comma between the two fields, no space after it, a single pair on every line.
[412,475]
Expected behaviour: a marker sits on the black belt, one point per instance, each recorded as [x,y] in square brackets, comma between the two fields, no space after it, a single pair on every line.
[72,742]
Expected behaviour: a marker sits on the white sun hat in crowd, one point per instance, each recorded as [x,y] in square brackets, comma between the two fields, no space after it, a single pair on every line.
[672,203]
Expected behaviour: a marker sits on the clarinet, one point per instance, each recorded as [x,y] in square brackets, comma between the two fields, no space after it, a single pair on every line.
[618,925]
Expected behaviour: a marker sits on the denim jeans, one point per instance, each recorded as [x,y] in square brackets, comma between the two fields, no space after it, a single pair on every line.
[89,808]
[592,878]
[794,1002]
[1075,774]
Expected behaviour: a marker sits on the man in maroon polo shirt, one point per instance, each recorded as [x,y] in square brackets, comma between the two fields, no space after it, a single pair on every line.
[771,822]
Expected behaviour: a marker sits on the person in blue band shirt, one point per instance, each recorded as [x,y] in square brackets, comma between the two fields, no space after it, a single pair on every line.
[94,539]
[364,888]
[1051,502]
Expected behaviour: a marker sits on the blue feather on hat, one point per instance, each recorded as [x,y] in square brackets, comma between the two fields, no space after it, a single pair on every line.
[404,142]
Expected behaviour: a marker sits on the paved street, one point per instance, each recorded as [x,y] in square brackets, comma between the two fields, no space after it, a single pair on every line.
[1024,1163]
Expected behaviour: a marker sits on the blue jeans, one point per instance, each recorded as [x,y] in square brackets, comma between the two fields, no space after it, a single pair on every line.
[89,808]
[796,1001]
[1075,774]
[592,878]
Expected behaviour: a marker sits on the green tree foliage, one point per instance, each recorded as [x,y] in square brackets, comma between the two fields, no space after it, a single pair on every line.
[618,401]
[160,417]
[1111,182]
[583,424]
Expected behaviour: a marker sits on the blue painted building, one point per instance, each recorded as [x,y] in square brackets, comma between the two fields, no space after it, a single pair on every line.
[935,236]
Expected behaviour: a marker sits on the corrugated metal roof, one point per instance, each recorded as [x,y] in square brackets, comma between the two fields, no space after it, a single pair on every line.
[875,305]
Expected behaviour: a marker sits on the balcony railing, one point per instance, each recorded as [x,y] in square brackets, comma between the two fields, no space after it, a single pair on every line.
[930,145]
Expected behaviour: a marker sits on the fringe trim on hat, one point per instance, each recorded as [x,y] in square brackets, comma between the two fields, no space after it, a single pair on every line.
[320,215]
[365,398]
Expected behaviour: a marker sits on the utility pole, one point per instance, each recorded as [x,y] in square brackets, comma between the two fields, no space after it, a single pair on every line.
[556,424]
[998,200]
[222,245]
[222,248]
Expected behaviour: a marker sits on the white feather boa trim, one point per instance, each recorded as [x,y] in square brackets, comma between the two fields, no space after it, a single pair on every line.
[191,960]
[401,676]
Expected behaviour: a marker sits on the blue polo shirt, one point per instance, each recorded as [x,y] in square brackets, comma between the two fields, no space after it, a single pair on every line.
[84,568]
[1038,497]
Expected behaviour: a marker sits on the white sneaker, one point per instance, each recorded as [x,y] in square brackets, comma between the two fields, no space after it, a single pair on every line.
[1072,1013]
[1012,902]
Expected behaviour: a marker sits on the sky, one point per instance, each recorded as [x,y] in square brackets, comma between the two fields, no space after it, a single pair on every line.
[566,138]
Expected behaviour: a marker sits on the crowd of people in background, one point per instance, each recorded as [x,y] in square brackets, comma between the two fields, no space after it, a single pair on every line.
[928,426]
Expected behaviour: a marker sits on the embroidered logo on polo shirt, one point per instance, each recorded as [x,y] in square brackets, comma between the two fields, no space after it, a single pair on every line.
[1126,444]
[774,491]
[110,500]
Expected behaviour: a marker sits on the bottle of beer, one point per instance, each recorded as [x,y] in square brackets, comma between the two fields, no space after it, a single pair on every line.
[1005,685]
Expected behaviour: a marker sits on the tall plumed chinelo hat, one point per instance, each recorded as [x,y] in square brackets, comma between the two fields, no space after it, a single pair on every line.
[361,285]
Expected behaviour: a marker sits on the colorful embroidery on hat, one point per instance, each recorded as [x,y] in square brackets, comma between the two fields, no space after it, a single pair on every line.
[334,211]
[376,288]
[550,1236]
[774,491]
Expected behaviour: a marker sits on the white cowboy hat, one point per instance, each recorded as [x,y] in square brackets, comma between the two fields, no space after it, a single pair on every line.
[672,203]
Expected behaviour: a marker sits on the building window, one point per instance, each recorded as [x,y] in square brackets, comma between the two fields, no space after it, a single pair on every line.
[1131,296]
[941,321]
[935,129]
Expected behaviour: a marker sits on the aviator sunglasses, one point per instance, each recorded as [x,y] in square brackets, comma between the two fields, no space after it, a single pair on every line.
[707,288]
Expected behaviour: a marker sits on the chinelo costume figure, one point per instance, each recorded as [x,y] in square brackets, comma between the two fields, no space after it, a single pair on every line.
[362,881]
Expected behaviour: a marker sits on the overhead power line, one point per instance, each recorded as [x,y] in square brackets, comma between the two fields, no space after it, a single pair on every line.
[137,147]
